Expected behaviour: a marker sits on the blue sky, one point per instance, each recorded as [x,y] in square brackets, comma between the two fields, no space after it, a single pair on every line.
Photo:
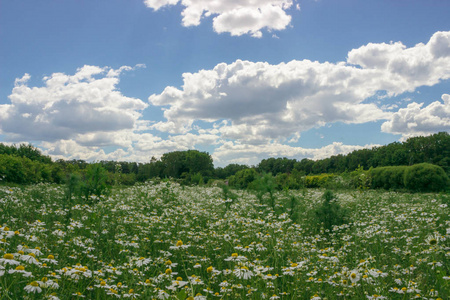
[243,80]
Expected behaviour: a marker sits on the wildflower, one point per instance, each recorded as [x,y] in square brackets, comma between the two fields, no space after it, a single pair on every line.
[354,276]
[131,294]
[243,272]
[375,297]
[199,297]
[236,257]
[33,287]
[179,245]
[8,259]
[432,239]
[21,270]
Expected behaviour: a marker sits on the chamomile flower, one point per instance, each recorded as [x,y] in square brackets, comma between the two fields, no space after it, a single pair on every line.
[33,287]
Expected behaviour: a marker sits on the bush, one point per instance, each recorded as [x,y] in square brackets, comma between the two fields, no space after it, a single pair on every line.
[12,169]
[426,178]
[318,180]
[388,178]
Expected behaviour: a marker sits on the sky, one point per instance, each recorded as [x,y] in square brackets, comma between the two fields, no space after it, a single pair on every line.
[243,80]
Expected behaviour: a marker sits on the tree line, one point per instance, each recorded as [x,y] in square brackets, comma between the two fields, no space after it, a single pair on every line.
[26,164]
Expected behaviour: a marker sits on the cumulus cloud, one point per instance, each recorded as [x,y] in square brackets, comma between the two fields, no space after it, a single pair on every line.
[407,68]
[415,120]
[252,108]
[235,17]
[264,102]
[85,107]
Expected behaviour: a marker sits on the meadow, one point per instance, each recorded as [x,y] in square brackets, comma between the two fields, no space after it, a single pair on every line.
[166,241]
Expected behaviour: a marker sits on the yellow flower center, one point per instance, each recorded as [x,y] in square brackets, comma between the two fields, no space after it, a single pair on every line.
[20,268]
[8,256]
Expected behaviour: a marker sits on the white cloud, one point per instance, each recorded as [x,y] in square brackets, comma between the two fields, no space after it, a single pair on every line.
[138,147]
[85,107]
[407,68]
[415,120]
[238,17]
[265,102]
[253,107]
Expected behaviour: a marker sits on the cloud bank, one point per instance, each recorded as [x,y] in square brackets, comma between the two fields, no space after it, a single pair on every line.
[231,16]
[245,110]
[261,102]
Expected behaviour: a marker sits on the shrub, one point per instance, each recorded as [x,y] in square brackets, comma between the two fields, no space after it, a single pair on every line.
[318,180]
[388,177]
[426,178]
[12,169]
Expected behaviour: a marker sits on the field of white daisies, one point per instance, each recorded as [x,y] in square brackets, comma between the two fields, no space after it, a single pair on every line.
[165,241]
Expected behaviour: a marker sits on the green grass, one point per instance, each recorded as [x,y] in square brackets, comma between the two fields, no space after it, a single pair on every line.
[170,242]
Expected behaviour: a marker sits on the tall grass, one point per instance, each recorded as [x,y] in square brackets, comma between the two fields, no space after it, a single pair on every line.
[163,241]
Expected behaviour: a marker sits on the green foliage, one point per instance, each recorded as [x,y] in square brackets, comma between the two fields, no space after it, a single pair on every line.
[243,178]
[24,170]
[318,180]
[73,186]
[12,169]
[25,150]
[95,181]
[330,213]
[388,178]
[417,178]
[262,185]
[360,179]
[276,165]
[426,178]
[229,170]
[295,208]
[192,161]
